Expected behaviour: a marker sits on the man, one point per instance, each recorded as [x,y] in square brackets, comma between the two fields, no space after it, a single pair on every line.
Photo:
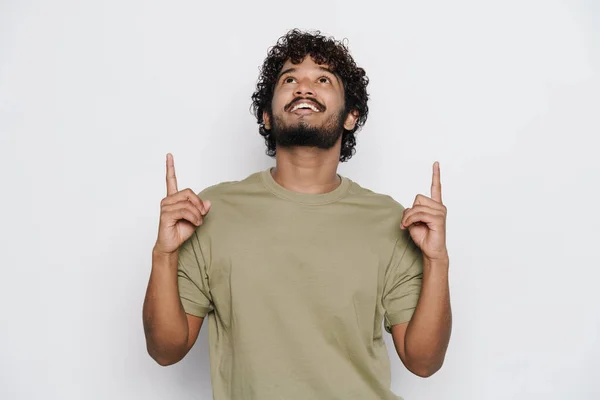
[296,267]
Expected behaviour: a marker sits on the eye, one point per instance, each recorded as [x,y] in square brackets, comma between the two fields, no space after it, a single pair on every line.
[324,79]
[289,79]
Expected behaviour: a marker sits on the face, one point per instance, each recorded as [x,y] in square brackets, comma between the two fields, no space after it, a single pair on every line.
[308,107]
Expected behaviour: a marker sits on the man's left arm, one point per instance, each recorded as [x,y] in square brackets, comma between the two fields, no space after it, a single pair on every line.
[422,342]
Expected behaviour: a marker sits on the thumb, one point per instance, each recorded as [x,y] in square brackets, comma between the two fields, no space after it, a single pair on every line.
[206,204]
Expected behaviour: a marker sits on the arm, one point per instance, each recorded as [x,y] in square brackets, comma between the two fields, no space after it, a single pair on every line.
[422,342]
[170,332]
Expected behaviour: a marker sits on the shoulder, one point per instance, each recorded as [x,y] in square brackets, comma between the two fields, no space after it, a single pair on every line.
[375,199]
[381,214]
[227,188]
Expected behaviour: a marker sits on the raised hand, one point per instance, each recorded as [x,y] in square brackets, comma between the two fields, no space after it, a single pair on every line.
[426,220]
[181,213]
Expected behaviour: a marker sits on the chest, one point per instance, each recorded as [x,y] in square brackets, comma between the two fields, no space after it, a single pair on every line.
[296,259]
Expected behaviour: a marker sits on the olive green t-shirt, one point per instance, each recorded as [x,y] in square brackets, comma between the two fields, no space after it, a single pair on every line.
[296,287]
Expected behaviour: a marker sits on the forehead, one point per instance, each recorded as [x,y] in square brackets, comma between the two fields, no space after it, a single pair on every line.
[307,63]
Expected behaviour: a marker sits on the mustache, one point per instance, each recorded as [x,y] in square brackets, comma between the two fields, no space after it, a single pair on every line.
[311,99]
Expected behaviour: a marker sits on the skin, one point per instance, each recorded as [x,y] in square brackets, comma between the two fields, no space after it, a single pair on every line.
[420,343]
[170,332]
[303,169]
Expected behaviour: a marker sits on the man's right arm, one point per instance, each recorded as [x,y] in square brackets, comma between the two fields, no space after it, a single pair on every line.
[170,332]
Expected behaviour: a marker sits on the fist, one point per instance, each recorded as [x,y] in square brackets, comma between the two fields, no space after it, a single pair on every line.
[181,212]
[426,220]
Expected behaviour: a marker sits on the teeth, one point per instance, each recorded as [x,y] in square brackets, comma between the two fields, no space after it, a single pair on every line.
[305,105]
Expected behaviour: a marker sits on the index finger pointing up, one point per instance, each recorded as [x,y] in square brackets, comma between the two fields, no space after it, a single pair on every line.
[171,178]
[436,185]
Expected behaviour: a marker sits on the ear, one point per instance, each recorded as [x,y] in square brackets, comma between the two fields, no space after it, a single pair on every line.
[267,119]
[351,119]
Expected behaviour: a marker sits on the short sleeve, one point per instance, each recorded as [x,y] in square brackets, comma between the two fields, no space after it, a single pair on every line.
[403,281]
[192,279]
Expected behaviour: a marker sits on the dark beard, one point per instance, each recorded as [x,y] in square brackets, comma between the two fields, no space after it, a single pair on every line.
[304,135]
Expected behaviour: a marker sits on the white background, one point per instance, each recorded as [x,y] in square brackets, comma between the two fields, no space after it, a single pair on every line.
[506,95]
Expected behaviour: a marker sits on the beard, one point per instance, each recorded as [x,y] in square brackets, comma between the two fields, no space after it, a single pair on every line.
[304,135]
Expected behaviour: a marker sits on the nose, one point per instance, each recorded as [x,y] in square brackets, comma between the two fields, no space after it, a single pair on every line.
[304,88]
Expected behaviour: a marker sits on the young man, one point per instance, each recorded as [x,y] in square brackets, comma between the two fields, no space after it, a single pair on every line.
[296,267]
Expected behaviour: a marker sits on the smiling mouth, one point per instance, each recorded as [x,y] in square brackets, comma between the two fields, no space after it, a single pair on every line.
[304,106]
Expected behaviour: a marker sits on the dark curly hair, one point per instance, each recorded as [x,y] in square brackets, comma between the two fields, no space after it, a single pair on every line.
[295,46]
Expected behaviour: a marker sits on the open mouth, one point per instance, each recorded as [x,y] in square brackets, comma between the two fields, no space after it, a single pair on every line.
[304,106]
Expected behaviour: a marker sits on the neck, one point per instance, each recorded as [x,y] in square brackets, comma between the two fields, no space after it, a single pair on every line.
[307,170]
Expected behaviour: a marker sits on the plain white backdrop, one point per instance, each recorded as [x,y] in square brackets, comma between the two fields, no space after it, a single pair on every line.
[506,95]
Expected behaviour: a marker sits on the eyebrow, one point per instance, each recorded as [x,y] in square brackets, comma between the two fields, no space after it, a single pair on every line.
[325,69]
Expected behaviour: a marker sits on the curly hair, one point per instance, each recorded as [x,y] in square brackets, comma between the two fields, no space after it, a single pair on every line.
[295,46]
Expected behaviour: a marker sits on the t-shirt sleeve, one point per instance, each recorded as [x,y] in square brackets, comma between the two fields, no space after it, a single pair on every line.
[403,280]
[192,278]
